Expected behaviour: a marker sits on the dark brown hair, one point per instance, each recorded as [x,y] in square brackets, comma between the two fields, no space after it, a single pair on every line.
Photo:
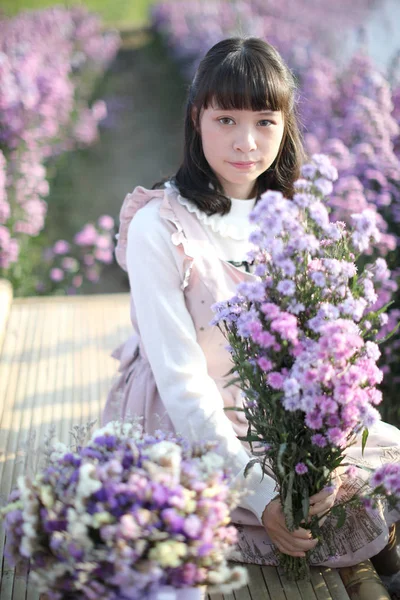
[239,73]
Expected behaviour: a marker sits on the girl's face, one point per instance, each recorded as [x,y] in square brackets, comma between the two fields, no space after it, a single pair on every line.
[239,145]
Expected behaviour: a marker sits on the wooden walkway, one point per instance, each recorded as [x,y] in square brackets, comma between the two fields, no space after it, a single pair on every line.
[55,368]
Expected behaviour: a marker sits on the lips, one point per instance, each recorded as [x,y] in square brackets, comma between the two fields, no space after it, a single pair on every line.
[243,165]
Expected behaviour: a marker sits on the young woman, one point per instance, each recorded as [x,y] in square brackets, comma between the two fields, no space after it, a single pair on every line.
[184,247]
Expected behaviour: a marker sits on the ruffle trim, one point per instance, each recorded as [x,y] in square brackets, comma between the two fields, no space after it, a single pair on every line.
[225,225]
[134,202]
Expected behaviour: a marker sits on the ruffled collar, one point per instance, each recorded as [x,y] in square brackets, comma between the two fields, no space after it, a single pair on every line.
[234,225]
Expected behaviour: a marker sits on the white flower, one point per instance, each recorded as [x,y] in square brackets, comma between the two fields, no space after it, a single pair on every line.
[119,429]
[58,450]
[168,455]
[212,462]
[46,495]
[168,553]
[87,485]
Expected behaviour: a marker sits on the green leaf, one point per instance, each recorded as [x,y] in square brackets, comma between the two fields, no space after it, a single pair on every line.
[281,452]
[341,517]
[249,438]
[305,503]
[288,504]
[364,440]
[235,408]
[233,382]
[389,335]
[249,466]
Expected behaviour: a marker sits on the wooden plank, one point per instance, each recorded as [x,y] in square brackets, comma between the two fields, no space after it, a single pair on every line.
[257,587]
[16,425]
[319,584]
[20,580]
[306,590]
[335,584]
[91,299]
[273,583]
[6,295]
[290,587]
[242,594]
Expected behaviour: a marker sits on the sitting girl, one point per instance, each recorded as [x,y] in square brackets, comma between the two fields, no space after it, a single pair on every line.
[184,246]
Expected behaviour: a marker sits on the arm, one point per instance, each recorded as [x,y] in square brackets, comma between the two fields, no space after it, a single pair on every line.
[189,394]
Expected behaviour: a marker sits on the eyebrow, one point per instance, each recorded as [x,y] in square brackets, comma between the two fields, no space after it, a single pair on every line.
[263,112]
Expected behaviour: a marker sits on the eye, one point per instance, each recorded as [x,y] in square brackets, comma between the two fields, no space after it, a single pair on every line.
[265,123]
[225,121]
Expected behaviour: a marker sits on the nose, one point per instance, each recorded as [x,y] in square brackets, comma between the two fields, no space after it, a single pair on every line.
[245,140]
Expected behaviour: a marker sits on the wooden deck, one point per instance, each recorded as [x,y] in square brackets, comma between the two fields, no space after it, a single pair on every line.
[55,368]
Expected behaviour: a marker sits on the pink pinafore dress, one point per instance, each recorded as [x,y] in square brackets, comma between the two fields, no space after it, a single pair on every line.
[208,279]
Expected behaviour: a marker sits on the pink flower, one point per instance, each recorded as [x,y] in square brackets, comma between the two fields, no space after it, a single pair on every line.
[56,274]
[106,222]
[77,281]
[351,471]
[103,242]
[275,380]
[270,310]
[87,236]
[92,275]
[105,256]
[61,247]
[264,363]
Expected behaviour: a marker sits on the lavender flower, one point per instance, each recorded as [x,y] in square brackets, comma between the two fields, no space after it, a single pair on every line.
[121,499]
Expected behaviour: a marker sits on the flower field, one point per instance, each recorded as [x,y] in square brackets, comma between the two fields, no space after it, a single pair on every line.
[45,111]
[350,112]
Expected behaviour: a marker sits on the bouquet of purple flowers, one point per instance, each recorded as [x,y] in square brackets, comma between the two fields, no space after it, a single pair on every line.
[123,515]
[303,339]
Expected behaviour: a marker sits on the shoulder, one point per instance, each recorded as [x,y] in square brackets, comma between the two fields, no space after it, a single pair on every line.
[147,226]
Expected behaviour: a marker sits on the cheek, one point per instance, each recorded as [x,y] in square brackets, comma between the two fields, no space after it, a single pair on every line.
[211,139]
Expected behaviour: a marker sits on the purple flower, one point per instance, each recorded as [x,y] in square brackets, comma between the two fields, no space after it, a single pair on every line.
[286,287]
[324,186]
[192,526]
[319,440]
[301,468]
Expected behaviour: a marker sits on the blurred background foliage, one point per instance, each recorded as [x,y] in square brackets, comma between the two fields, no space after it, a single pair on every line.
[122,14]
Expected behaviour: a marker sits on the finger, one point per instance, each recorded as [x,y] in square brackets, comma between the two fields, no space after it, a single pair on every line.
[320,497]
[319,509]
[289,546]
[291,553]
[301,533]
[297,544]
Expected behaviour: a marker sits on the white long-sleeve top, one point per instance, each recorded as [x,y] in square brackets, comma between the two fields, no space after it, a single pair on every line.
[190,396]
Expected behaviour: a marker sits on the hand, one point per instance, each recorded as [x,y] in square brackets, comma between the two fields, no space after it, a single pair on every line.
[294,543]
[323,501]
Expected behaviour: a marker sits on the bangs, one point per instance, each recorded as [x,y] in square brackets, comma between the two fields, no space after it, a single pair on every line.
[241,82]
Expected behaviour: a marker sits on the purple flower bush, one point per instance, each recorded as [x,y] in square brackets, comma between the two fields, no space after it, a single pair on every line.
[50,61]
[385,482]
[124,514]
[351,113]
[65,266]
[303,339]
